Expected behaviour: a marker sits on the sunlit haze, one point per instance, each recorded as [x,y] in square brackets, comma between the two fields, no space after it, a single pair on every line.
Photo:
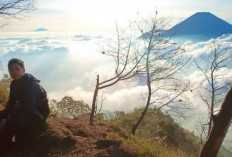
[101,15]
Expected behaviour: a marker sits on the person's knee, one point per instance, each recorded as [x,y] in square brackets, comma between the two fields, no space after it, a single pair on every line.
[29,133]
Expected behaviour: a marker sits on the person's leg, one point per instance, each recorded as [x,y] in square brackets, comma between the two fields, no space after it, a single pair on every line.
[31,128]
[7,133]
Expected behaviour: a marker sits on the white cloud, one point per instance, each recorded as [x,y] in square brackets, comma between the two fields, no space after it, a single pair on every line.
[205,47]
[68,63]
[66,66]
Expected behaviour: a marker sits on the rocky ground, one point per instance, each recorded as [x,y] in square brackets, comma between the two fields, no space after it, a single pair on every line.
[71,138]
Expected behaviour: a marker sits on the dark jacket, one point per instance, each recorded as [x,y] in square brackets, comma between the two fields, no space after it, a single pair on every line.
[25,97]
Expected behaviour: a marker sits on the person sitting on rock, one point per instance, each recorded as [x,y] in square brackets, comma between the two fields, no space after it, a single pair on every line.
[26,111]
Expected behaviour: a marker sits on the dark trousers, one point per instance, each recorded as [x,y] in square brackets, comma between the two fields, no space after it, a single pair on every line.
[24,128]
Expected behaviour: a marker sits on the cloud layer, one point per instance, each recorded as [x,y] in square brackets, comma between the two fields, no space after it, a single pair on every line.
[68,63]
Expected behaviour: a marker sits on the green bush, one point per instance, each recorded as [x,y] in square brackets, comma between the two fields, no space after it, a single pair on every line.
[69,107]
[4,90]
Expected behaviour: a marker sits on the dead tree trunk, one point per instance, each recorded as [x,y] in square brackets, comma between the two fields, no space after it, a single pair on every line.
[134,128]
[94,102]
[221,123]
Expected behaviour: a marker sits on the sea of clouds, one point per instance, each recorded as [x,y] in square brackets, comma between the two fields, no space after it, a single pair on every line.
[68,63]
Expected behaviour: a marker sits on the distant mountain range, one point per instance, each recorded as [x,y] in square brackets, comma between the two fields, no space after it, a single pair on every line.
[41,29]
[201,26]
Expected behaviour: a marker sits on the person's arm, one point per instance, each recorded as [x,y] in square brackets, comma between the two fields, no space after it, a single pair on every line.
[3,113]
[29,99]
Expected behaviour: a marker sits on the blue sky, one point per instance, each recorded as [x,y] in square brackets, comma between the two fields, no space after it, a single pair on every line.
[100,15]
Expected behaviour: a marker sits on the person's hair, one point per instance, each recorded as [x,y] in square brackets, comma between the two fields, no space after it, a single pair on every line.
[16,61]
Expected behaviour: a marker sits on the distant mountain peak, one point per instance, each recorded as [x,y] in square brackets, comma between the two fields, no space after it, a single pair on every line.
[41,29]
[203,13]
[201,24]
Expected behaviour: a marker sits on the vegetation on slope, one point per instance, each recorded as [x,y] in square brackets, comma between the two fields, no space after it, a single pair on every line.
[159,127]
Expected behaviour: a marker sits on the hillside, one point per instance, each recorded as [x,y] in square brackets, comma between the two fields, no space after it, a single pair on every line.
[75,138]
[66,137]
[156,125]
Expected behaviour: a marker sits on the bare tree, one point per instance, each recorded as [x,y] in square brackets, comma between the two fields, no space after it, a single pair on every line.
[126,59]
[163,60]
[221,123]
[154,59]
[215,83]
[14,9]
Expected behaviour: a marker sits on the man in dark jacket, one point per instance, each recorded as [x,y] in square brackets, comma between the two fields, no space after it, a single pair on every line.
[27,109]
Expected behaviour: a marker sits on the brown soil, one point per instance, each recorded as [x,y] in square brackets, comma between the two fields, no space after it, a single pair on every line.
[71,138]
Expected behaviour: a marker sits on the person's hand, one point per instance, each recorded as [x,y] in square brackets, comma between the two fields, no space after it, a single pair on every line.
[2,123]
